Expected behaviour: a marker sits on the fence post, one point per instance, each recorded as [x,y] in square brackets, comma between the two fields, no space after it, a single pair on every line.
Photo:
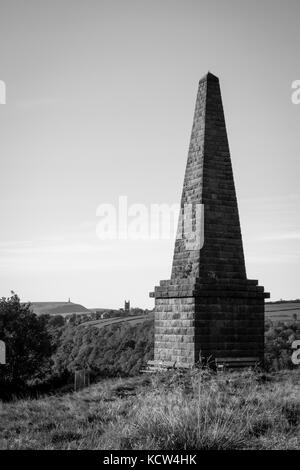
[2,352]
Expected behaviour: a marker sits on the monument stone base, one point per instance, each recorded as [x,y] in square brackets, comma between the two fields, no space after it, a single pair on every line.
[210,323]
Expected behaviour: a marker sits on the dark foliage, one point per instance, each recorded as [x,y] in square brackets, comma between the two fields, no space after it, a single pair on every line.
[28,345]
[278,342]
[110,351]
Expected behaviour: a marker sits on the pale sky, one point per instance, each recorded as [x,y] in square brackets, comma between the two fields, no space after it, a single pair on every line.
[100,101]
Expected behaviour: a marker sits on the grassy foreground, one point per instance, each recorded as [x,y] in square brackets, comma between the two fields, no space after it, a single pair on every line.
[191,410]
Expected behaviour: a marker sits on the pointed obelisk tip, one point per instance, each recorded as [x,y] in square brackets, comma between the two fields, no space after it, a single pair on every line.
[208,76]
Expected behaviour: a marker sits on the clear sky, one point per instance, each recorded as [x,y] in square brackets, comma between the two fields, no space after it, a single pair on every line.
[100,100]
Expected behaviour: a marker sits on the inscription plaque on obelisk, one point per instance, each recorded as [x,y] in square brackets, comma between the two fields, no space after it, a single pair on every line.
[209,310]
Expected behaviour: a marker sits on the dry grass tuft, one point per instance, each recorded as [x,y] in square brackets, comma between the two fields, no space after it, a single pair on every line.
[191,410]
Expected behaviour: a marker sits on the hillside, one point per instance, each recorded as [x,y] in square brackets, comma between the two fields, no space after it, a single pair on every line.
[192,409]
[169,411]
[57,308]
[120,349]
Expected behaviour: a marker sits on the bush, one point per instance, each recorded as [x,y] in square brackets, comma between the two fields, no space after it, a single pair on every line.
[278,341]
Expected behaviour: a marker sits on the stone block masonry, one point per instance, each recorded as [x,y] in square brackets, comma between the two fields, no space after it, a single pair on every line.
[209,310]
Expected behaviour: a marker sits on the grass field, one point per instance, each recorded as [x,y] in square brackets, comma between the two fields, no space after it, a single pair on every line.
[284,311]
[134,320]
[191,410]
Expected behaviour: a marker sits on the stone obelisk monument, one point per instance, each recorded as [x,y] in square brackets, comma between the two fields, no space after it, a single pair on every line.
[208,311]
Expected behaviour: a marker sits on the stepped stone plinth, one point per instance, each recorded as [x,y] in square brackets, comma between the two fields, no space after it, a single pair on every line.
[208,310]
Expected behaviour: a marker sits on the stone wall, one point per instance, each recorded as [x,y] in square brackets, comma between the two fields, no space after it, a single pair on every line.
[175,330]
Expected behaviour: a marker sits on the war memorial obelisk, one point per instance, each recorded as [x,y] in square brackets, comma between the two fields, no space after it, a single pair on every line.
[208,311]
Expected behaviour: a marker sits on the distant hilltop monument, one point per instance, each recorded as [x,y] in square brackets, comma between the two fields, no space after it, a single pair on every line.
[208,311]
[127,306]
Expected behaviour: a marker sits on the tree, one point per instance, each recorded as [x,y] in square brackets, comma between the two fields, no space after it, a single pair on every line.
[28,344]
[56,321]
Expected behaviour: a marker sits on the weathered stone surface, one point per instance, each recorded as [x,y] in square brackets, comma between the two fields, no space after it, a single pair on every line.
[209,309]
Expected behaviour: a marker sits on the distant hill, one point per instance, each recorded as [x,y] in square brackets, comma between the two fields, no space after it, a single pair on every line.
[58,308]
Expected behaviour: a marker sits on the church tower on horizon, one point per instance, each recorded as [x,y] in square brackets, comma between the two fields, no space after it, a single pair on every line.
[209,310]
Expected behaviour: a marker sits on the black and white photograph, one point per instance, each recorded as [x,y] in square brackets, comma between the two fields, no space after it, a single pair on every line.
[150,229]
